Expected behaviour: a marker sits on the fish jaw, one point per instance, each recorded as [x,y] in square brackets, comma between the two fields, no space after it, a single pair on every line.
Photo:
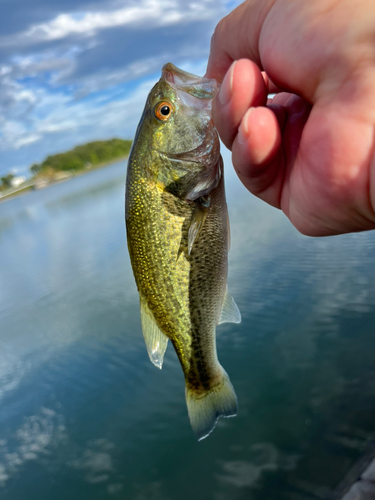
[189,142]
[194,95]
[196,86]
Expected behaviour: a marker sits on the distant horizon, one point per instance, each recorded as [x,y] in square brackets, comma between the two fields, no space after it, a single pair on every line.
[73,72]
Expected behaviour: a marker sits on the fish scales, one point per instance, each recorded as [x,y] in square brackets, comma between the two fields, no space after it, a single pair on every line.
[173,187]
[154,253]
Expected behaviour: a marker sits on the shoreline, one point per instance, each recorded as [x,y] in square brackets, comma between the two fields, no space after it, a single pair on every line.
[31,183]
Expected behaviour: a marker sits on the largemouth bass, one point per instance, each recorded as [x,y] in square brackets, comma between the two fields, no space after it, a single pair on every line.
[178,239]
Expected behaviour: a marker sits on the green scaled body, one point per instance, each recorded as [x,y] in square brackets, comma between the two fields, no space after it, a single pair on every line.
[178,238]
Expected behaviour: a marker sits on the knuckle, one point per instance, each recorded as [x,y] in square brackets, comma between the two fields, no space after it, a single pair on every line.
[216,36]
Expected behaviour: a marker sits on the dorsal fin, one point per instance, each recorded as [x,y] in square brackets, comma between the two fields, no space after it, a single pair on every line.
[229,311]
[156,340]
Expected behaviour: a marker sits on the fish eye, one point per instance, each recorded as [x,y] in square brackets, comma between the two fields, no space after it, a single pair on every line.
[163,111]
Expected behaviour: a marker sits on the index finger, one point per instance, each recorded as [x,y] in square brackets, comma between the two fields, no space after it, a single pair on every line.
[237,37]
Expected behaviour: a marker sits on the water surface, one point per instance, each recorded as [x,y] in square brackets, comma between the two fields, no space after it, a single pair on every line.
[84,415]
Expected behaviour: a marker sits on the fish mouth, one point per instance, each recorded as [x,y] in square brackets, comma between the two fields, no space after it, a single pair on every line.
[196,86]
[196,94]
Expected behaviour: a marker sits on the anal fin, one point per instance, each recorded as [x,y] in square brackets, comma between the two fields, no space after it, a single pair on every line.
[156,340]
[229,311]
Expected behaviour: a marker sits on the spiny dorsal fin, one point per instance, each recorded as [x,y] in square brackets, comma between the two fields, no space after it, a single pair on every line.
[156,340]
[229,311]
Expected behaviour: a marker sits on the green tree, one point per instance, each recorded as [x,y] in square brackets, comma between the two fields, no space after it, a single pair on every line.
[7,180]
[35,168]
[93,153]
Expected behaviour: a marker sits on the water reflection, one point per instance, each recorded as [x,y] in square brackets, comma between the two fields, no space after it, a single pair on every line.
[96,461]
[263,457]
[33,440]
[85,415]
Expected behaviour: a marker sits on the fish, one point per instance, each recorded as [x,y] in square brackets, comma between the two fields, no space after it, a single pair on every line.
[178,239]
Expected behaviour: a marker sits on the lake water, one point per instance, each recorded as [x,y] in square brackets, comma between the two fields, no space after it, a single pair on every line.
[84,415]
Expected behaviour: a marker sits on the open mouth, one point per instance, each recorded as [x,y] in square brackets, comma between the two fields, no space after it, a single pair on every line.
[196,86]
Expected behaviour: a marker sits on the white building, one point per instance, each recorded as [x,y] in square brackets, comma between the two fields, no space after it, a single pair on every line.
[17,181]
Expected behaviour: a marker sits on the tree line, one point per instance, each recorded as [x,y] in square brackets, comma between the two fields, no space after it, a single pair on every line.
[85,156]
[79,158]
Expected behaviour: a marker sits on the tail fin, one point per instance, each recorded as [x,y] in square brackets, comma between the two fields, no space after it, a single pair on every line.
[205,409]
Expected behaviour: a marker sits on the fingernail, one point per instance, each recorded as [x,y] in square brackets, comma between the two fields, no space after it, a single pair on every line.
[226,89]
[243,132]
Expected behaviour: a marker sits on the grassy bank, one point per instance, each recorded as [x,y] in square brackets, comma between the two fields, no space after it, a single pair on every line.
[63,166]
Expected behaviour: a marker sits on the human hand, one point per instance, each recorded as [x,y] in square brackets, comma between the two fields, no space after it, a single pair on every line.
[311,149]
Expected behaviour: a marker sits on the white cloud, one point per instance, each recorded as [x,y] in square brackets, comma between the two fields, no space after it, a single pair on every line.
[146,13]
[60,76]
[35,437]
[97,462]
[108,80]
[27,139]
[58,113]
[246,474]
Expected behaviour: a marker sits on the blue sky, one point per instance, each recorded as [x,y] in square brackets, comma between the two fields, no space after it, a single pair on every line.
[72,71]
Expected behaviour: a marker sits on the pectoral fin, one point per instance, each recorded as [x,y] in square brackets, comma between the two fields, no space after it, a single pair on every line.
[229,311]
[201,208]
[208,180]
[187,179]
[156,341]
